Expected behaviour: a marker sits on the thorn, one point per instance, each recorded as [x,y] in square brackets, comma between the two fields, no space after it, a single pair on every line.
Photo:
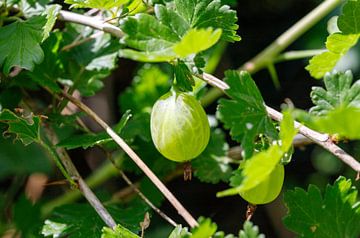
[357,176]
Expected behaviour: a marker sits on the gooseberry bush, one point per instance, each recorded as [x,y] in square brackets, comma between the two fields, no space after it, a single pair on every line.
[72,170]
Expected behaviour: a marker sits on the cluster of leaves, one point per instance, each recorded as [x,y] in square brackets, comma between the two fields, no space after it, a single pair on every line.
[339,42]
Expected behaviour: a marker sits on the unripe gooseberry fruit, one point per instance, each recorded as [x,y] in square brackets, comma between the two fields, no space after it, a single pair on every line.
[179,126]
[267,190]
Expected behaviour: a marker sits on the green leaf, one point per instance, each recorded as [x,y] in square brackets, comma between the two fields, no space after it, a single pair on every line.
[180,232]
[89,140]
[339,121]
[338,92]
[172,33]
[47,73]
[82,221]
[258,167]
[206,228]
[53,229]
[338,45]
[25,129]
[184,78]
[336,214]
[17,159]
[51,13]
[209,13]
[147,86]
[99,4]
[250,231]
[349,21]
[196,40]
[22,53]
[117,232]
[244,114]
[212,165]
[86,65]
[26,216]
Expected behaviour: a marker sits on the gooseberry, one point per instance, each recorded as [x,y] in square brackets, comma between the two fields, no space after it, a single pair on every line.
[267,190]
[179,126]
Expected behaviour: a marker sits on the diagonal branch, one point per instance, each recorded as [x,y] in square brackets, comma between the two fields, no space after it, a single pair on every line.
[163,189]
[321,139]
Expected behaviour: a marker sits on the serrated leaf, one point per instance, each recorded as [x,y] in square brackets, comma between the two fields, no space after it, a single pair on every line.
[349,21]
[338,45]
[53,229]
[99,4]
[89,140]
[336,214]
[117,232]
[244,114]
[338,92]
[209,13]
[147,86]
[25,129]
[250,231]
[257,168]
[196,40]
[51,14]
[206,228]
[212,165]
[22,53]
[179,232]
[171,32]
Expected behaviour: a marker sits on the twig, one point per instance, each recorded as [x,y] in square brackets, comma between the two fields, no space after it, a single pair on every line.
[136,189]
[163,189]
[321,139]
[81,41]
[83,187]
[90,21]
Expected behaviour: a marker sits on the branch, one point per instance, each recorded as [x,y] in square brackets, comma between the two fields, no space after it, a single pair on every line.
[163,189]
[90,21]
[82,186]
[321,139]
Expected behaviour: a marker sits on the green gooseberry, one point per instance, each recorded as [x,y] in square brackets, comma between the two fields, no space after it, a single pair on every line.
[179,126]
[267,190]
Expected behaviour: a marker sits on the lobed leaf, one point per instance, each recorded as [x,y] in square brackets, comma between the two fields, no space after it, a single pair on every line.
[22,53]
[338,92]
[244,114]
[336,214]
[25,129]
